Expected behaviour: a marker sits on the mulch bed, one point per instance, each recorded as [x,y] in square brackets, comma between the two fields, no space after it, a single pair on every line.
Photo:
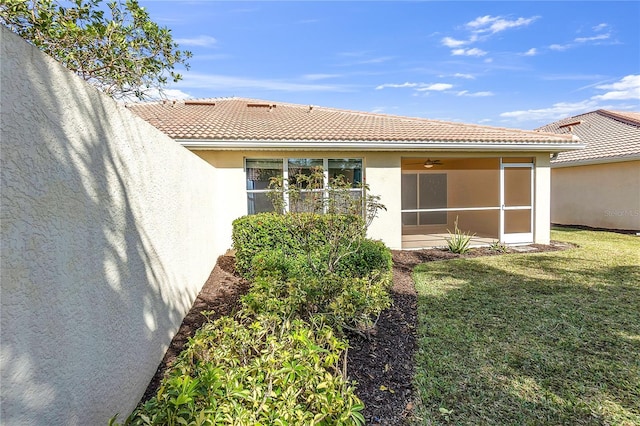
[381,362]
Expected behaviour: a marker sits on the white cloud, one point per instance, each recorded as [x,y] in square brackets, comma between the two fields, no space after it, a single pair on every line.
[425,88]
[467,76]
[398,86]
[627,88]
[556,77]
[474,94]
[481,21]
[154,94]
[377,60]
[496,24]
[176,94]
[594,38]
[315,77]
[370,61]
[200,41]
[436,87]
[560,47]
[503,24]
[229,83]
[583,40]
[555,112]
[600,27]
[451,42]
[420,87]
[531,52]
[468,52]
[481,29]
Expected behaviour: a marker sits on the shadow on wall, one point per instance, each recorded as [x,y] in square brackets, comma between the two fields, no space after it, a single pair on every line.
[89,223]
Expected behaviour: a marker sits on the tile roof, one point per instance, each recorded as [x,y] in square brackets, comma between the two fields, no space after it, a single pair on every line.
[241,119]
[608,135]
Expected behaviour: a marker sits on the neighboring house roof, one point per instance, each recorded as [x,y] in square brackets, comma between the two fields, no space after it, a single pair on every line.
[609,136]
[249,123]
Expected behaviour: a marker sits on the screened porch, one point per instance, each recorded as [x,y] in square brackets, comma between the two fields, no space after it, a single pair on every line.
[490,198]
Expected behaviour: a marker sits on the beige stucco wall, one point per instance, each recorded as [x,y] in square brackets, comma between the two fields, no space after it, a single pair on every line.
[542,199]
[383,173]
[108,233]
[599,195]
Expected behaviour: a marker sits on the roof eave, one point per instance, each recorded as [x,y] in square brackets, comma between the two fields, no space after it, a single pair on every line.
[594,161]
[478,146]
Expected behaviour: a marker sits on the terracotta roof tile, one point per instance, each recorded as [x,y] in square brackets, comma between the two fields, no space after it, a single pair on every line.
[606,134]
[240,119]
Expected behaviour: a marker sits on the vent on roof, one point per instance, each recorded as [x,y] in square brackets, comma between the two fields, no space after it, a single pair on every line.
[569,125]
[259,105]
[197,102]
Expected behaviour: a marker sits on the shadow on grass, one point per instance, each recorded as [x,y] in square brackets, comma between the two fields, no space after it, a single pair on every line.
[499,347]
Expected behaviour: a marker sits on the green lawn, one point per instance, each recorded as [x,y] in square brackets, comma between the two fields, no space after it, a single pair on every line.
[548,338]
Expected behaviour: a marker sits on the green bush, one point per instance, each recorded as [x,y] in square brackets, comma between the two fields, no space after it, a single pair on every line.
[322,238]
[255,233]
[266,371]
[349,302]
[276,264]
[279,363]
[317,272]
[369,256]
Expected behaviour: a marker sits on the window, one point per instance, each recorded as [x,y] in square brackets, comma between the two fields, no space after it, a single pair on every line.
[259,174]
[261,171]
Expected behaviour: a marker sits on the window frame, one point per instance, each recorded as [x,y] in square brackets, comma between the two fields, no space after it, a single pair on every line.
[285,177]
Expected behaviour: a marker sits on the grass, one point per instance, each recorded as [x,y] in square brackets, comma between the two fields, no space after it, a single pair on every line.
[524,339]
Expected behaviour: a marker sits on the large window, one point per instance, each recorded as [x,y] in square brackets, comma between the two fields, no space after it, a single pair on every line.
[261,171]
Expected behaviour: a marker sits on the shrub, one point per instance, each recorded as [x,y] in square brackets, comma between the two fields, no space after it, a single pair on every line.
[323,238]
[255,233]
[369,256]
[293,286]
[276,264]
[279,363]
[261,371]
[349,302]
[498,247]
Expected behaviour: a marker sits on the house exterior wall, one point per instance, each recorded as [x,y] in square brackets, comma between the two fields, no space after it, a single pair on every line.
[542,199]
[598,195]
[108,233]
[383,173]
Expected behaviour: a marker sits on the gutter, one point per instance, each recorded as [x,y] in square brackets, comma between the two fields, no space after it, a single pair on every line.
[203,144]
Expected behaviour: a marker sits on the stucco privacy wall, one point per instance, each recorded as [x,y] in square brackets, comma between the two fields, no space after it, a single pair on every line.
[597,195]
[108,233]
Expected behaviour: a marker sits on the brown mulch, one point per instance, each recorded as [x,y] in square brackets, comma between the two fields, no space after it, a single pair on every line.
[381,362]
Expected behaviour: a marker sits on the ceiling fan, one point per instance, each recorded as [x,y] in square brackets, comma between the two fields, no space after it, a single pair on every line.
[429,163]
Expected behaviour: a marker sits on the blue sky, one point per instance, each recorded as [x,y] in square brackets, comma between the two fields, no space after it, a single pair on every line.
[511,64]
